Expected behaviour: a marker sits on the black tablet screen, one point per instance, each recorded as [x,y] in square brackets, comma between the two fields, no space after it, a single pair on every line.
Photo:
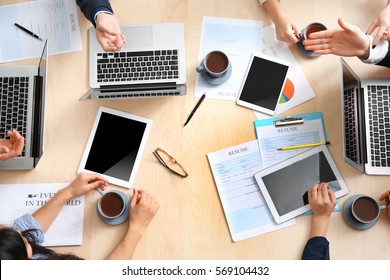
[288,186]
[264,83]
[115,146]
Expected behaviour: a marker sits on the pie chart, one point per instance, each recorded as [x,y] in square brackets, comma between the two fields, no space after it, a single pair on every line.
[288,92]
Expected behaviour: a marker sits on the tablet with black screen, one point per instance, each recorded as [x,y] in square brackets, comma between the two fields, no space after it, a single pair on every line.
[263,83]
[115,146]
[285,185]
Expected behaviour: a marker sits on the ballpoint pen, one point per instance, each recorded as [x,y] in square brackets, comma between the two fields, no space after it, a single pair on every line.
[303,146]
[28,31]
[195,108]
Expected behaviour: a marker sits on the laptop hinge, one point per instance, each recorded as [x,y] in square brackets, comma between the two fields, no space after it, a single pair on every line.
[149,86]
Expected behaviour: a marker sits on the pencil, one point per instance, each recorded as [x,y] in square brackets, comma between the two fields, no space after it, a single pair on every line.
[303,146]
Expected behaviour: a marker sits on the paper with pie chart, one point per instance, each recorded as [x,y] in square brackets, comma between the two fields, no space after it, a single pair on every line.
[296,89]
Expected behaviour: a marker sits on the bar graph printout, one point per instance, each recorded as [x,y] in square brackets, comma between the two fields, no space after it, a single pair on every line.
[246,212]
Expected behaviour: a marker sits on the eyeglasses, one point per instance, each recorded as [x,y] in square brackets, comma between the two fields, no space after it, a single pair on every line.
[169,162]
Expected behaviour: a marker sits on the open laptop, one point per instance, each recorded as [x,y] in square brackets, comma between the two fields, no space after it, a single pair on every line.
[366,122]
[150,64]
[22,101]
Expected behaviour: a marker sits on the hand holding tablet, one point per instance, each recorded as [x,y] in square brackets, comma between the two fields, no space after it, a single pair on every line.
[285,185]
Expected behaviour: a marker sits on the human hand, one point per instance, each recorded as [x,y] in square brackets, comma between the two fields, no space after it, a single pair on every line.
[286,31]
[386,198]
[83,183]
[109,33]
[348,40]
[13,147]
[322,200]
[143,208]
[382,22]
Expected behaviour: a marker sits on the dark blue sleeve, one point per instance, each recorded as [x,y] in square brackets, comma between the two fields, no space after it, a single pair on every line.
[386,61]
[90,7]
[317,248]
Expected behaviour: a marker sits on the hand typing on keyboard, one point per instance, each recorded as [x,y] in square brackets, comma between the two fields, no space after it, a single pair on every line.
[12,147]
[109,33]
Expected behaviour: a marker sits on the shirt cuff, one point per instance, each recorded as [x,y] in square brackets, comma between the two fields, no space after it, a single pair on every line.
[377,54]
[27,222]
[263,1]
[102,10]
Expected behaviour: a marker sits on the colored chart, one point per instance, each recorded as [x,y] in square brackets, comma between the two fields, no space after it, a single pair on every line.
[288,92]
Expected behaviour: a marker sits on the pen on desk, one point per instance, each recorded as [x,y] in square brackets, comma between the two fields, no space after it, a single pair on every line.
[195,108]
[28,31]
[303,146]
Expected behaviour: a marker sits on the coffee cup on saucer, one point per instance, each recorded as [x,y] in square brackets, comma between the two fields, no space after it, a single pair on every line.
[215,68]
[113,207]
[311,28]
[362,211]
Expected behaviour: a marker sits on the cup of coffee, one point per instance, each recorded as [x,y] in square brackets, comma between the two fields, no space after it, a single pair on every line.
[111,204]
[366,209]
[215,64]
[311,28]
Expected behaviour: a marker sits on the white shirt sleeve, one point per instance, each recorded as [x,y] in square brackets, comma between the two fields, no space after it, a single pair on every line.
[263,1]
[107,12]
[377,54]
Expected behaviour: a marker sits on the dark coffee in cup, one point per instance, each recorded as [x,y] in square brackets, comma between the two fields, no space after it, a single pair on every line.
[313,29]
[111,204]
[365,209]
[216,62]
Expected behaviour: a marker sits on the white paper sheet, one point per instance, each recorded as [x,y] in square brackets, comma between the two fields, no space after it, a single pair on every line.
[238,39]
[297,89]
[55,20]
[19,199]
[246,212]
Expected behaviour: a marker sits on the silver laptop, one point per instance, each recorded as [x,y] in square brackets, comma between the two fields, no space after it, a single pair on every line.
[366,122]
[150,64]
[22,101]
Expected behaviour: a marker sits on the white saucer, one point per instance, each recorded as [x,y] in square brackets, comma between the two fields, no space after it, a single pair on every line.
[350,219]
[216,81]
[122,217]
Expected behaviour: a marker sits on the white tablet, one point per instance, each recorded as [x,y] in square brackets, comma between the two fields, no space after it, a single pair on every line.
[263,83]
[115,146]
[285,185]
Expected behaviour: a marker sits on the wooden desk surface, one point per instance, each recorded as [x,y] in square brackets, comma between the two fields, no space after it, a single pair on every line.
[190,223]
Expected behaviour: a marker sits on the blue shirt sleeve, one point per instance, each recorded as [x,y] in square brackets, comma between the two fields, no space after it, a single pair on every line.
[317,248]
[27,222]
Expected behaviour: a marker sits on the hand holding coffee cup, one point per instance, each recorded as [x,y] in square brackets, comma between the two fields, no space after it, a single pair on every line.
[386,198]
[311,28]
[216,64]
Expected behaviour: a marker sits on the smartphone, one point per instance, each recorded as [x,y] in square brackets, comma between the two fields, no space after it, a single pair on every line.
[263,83]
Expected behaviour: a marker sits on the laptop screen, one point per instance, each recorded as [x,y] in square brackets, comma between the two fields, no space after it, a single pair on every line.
[39,106]
[352,117]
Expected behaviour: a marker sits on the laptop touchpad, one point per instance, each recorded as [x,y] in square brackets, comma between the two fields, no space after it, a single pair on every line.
[136,37]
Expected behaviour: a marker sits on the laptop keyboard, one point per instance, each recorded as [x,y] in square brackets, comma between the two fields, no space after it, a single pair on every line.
[350,129]
[137,66]
[13,102]
[379,122]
